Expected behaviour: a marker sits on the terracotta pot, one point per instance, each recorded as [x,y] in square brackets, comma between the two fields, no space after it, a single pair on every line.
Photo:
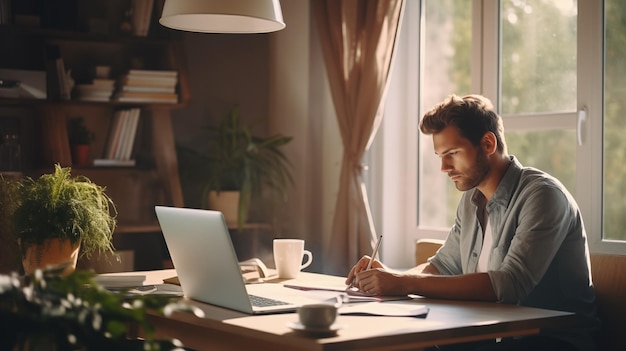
[226,202]
[80,154]
[51,252]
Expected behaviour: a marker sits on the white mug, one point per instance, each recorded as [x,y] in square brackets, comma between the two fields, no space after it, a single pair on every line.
[288,255]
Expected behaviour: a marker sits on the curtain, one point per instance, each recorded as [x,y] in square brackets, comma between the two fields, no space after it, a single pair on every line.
[358,39]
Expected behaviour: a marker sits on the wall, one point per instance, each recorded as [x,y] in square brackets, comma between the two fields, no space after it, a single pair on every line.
[279,80]
[224,69]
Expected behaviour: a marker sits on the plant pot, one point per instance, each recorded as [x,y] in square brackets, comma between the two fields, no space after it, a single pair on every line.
[51,252]
[226,202]
[80,155]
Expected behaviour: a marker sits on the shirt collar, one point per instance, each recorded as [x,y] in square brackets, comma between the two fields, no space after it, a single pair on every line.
[505,188]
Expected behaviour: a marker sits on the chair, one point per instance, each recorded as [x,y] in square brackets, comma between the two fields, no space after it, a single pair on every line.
[426,248]
[609,280]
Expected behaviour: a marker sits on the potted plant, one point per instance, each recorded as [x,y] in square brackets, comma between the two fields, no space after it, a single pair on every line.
[59,213]
[79,137]
[47,311]
[239,162]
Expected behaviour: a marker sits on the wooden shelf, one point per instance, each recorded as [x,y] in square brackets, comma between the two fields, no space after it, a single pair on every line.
[31,102]
[140,228]
[134,190]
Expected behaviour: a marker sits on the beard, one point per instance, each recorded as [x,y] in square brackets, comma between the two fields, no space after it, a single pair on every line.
[475,175]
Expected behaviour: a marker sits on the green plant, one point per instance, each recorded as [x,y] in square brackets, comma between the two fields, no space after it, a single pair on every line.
[48,312]
[248,163]
[57,205]
[78,133]
[237,160]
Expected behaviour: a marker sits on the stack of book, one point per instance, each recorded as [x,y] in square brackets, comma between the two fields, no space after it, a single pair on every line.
[98,90]
[119,146]
[148,86]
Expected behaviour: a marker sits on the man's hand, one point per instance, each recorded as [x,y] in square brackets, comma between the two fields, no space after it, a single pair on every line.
[361,266]
[382,282]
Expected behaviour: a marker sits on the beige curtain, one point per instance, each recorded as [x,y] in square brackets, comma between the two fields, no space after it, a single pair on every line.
[358,39]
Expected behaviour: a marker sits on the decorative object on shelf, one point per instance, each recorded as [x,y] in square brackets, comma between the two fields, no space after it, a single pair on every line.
[10,153]
[57,206]
[22,84]
[142,15]
[219,16]
[100,89]
[80,137]
[59,79]
[238,161]
[46,311]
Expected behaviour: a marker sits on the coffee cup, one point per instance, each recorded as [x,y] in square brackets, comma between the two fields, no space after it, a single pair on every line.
[317,316]
[288,256]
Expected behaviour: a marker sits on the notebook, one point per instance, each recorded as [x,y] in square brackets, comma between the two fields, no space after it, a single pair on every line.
[208,268]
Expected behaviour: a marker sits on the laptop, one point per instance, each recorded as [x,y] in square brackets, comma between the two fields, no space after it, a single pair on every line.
[208,268]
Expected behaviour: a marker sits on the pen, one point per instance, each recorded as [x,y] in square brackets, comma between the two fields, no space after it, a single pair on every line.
[369,265]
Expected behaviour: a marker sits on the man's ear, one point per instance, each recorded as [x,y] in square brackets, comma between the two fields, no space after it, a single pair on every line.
[489,143]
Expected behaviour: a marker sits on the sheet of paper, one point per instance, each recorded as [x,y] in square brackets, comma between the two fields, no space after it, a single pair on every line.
[353,294]
[388,308]
[120,281]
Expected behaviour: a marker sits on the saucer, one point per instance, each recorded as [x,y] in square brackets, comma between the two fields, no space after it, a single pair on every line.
[330,331]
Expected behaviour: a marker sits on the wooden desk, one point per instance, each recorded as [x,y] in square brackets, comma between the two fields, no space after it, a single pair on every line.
[447,322]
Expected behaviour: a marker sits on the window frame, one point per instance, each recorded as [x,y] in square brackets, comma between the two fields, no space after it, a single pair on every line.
[393,182]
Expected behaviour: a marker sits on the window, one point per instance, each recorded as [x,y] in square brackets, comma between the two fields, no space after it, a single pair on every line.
[614,171]
[553,68]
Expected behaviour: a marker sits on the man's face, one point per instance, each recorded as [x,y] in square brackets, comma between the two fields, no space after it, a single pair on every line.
[466,165]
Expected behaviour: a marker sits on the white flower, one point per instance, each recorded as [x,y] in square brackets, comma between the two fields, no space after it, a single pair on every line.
[71,338]
[5,283]
[97,321]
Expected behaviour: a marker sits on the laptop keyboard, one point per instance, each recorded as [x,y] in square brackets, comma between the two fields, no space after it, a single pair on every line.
[259,301]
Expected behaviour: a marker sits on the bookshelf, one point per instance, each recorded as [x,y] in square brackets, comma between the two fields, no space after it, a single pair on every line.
[84,45]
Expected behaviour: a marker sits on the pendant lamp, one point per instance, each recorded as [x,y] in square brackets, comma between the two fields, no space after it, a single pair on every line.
[223,16]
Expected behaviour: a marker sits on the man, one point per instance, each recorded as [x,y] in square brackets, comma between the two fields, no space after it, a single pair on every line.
[518,236]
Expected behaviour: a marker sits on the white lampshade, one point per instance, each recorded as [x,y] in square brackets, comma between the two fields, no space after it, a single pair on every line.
[223,16]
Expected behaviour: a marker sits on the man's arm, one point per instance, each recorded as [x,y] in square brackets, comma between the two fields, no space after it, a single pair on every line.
[475,286]
[424,268]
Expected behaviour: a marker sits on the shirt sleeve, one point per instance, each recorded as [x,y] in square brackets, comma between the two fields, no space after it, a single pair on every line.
[448,258]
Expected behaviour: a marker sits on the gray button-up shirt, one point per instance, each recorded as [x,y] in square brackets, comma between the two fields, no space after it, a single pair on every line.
[539,256]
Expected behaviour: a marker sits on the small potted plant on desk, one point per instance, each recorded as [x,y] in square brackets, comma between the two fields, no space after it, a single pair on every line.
[240,166]
[80,138]
[56,214]
[49,312]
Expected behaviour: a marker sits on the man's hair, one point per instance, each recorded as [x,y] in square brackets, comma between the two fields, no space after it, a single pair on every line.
[472,115]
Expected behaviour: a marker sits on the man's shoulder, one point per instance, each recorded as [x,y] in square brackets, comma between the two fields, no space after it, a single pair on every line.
[531,176]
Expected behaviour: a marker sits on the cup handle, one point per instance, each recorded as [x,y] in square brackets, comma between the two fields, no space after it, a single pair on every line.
[309,259]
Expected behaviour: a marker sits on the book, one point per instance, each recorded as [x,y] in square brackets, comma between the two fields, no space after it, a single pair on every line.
[148,99]
[147,95]
[152,73]
[149,80]
[148,89]
[114,135]
[124,134]
[108,162]
[102,82]
[132,131]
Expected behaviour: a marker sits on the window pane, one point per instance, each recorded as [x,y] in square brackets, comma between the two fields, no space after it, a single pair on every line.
[553,151]
[446,55]
[614,122]
[538,56]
